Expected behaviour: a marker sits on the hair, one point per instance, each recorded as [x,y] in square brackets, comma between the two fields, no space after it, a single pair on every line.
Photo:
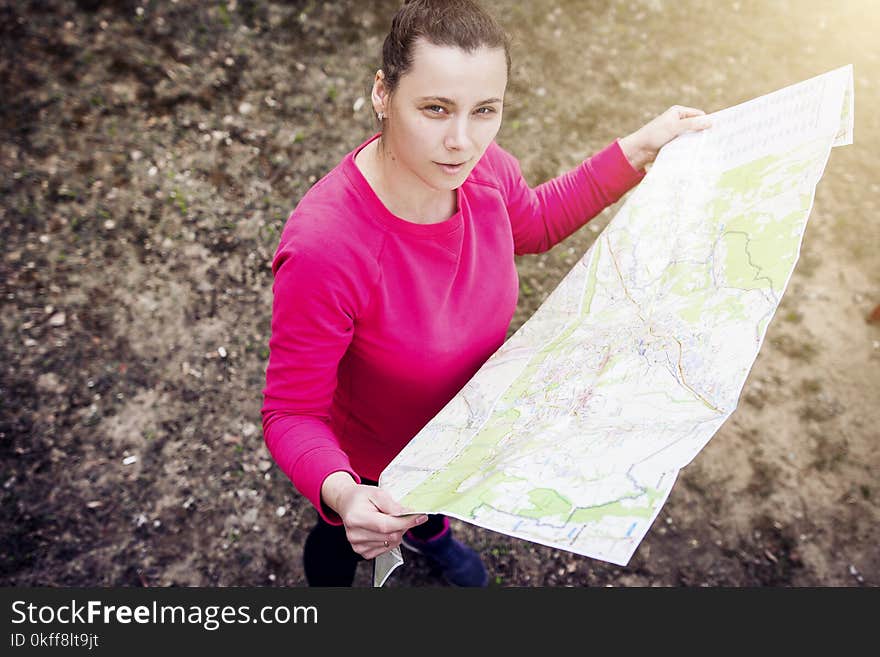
[460,23]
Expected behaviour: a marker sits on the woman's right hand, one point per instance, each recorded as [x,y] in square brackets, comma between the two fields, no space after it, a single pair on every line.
[369,514]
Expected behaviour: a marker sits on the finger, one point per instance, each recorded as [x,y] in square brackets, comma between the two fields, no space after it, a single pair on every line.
[377,526]
[364,536]
[376,548]
[399,524]
[695,123]
[417,520]
[382,545]
[687,112]
[366,548]
[383,501]
[375,552]
[395,520]
[370,552]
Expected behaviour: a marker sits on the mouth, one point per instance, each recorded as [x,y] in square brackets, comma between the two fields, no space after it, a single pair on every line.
[451,168]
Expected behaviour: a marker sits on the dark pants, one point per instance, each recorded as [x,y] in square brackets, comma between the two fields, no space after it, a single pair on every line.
[329,559]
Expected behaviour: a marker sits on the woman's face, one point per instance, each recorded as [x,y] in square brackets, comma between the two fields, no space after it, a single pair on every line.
[446,110]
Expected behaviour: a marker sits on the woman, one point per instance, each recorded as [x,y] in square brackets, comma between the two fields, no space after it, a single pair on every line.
[395,279]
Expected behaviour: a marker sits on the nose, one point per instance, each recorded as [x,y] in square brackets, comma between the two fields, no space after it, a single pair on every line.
[457,137]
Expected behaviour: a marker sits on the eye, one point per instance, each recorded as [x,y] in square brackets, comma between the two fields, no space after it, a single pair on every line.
[489,110]
[432,108]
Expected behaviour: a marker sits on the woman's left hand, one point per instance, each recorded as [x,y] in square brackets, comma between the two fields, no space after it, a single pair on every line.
[642,146]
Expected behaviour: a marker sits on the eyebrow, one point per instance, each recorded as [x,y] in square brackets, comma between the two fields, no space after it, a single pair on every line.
[449,101]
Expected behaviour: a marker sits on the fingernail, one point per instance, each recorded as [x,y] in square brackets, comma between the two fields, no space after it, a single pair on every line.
[422,519]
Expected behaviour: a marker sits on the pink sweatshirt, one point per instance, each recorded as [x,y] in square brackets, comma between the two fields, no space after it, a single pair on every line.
[377,322]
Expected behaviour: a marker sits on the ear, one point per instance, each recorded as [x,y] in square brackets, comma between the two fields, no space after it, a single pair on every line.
[380,95]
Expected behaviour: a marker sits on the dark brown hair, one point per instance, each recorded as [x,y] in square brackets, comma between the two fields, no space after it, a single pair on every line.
[459,23]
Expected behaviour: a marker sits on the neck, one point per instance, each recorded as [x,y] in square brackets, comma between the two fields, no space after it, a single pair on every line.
[402,192]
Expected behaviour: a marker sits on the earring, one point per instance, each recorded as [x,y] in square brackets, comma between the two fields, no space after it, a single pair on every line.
[380,116]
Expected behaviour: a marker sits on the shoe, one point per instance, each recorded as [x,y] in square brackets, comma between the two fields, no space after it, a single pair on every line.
[460,565]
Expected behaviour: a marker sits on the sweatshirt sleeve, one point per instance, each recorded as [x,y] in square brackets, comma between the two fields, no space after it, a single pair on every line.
[312,327]
[543,216]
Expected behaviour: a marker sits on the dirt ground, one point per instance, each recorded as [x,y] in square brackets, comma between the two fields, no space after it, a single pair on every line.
[150,153]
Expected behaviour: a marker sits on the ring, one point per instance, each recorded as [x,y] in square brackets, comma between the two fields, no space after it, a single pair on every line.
[386,543]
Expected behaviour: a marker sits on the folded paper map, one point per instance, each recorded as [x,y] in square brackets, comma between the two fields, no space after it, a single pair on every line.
[572,434]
